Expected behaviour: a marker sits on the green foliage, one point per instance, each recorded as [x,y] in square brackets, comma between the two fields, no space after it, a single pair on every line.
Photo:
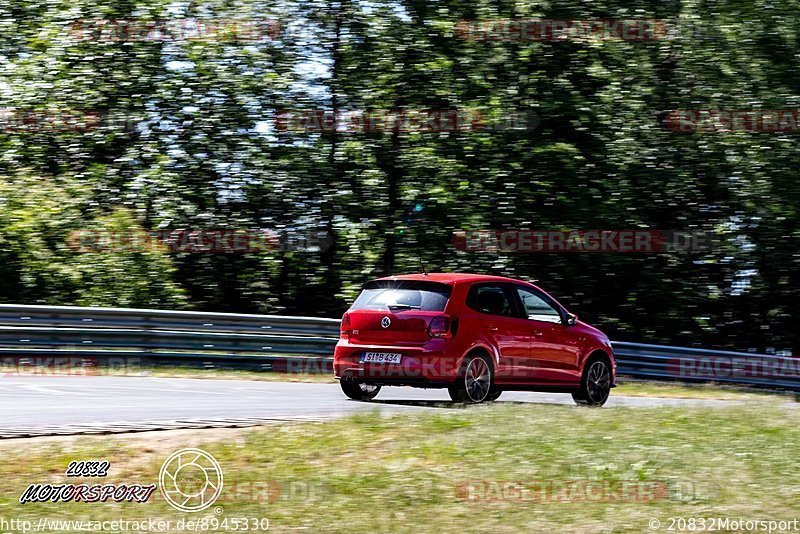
[187,140]
[42,262]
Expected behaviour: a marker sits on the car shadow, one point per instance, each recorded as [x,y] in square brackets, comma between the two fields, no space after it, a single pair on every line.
[420,403]
[459,405]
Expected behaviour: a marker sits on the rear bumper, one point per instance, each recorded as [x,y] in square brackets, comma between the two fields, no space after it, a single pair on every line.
[429,365]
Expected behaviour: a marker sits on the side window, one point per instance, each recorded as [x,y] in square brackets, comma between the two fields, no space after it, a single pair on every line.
[536,308]
[491,299]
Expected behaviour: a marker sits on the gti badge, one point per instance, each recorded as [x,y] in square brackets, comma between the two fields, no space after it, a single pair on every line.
[385,322]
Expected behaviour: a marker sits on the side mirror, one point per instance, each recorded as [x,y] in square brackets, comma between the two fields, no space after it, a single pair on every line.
[572,319]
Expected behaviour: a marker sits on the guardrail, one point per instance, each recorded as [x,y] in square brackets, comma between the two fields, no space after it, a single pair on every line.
[128,337]
[30,335]
[688,364]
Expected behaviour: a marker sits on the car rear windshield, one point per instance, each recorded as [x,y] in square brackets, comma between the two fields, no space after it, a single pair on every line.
[403,294]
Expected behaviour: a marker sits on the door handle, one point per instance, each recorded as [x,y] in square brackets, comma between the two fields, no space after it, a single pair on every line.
[538,334]
[491,328]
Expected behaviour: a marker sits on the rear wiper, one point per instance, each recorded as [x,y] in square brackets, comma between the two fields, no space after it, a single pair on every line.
[403,307]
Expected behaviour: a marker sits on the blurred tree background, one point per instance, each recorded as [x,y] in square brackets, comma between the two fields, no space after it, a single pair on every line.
[187,139]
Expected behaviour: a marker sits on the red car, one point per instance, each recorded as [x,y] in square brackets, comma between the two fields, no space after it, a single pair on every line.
[473,334]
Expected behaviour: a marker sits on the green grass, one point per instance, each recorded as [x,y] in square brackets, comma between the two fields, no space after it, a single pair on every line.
[374,473]
[636,388]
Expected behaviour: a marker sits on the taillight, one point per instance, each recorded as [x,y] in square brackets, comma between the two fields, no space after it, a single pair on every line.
[443,326]
[344,330]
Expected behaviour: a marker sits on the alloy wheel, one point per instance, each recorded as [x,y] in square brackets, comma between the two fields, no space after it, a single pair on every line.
[478,380]
[598,382]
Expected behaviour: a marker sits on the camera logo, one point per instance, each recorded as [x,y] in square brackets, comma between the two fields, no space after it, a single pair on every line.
[190,480]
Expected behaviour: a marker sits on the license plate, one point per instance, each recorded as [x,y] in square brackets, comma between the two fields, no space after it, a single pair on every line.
[381,357]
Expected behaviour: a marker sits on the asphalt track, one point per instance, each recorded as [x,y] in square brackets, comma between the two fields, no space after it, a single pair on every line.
[53,405]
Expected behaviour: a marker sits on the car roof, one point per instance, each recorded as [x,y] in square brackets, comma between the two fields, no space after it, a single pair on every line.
[452,278]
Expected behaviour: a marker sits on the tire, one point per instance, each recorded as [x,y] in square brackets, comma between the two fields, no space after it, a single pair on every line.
[359,390]
[457,394]
[474,382]
[595,383]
